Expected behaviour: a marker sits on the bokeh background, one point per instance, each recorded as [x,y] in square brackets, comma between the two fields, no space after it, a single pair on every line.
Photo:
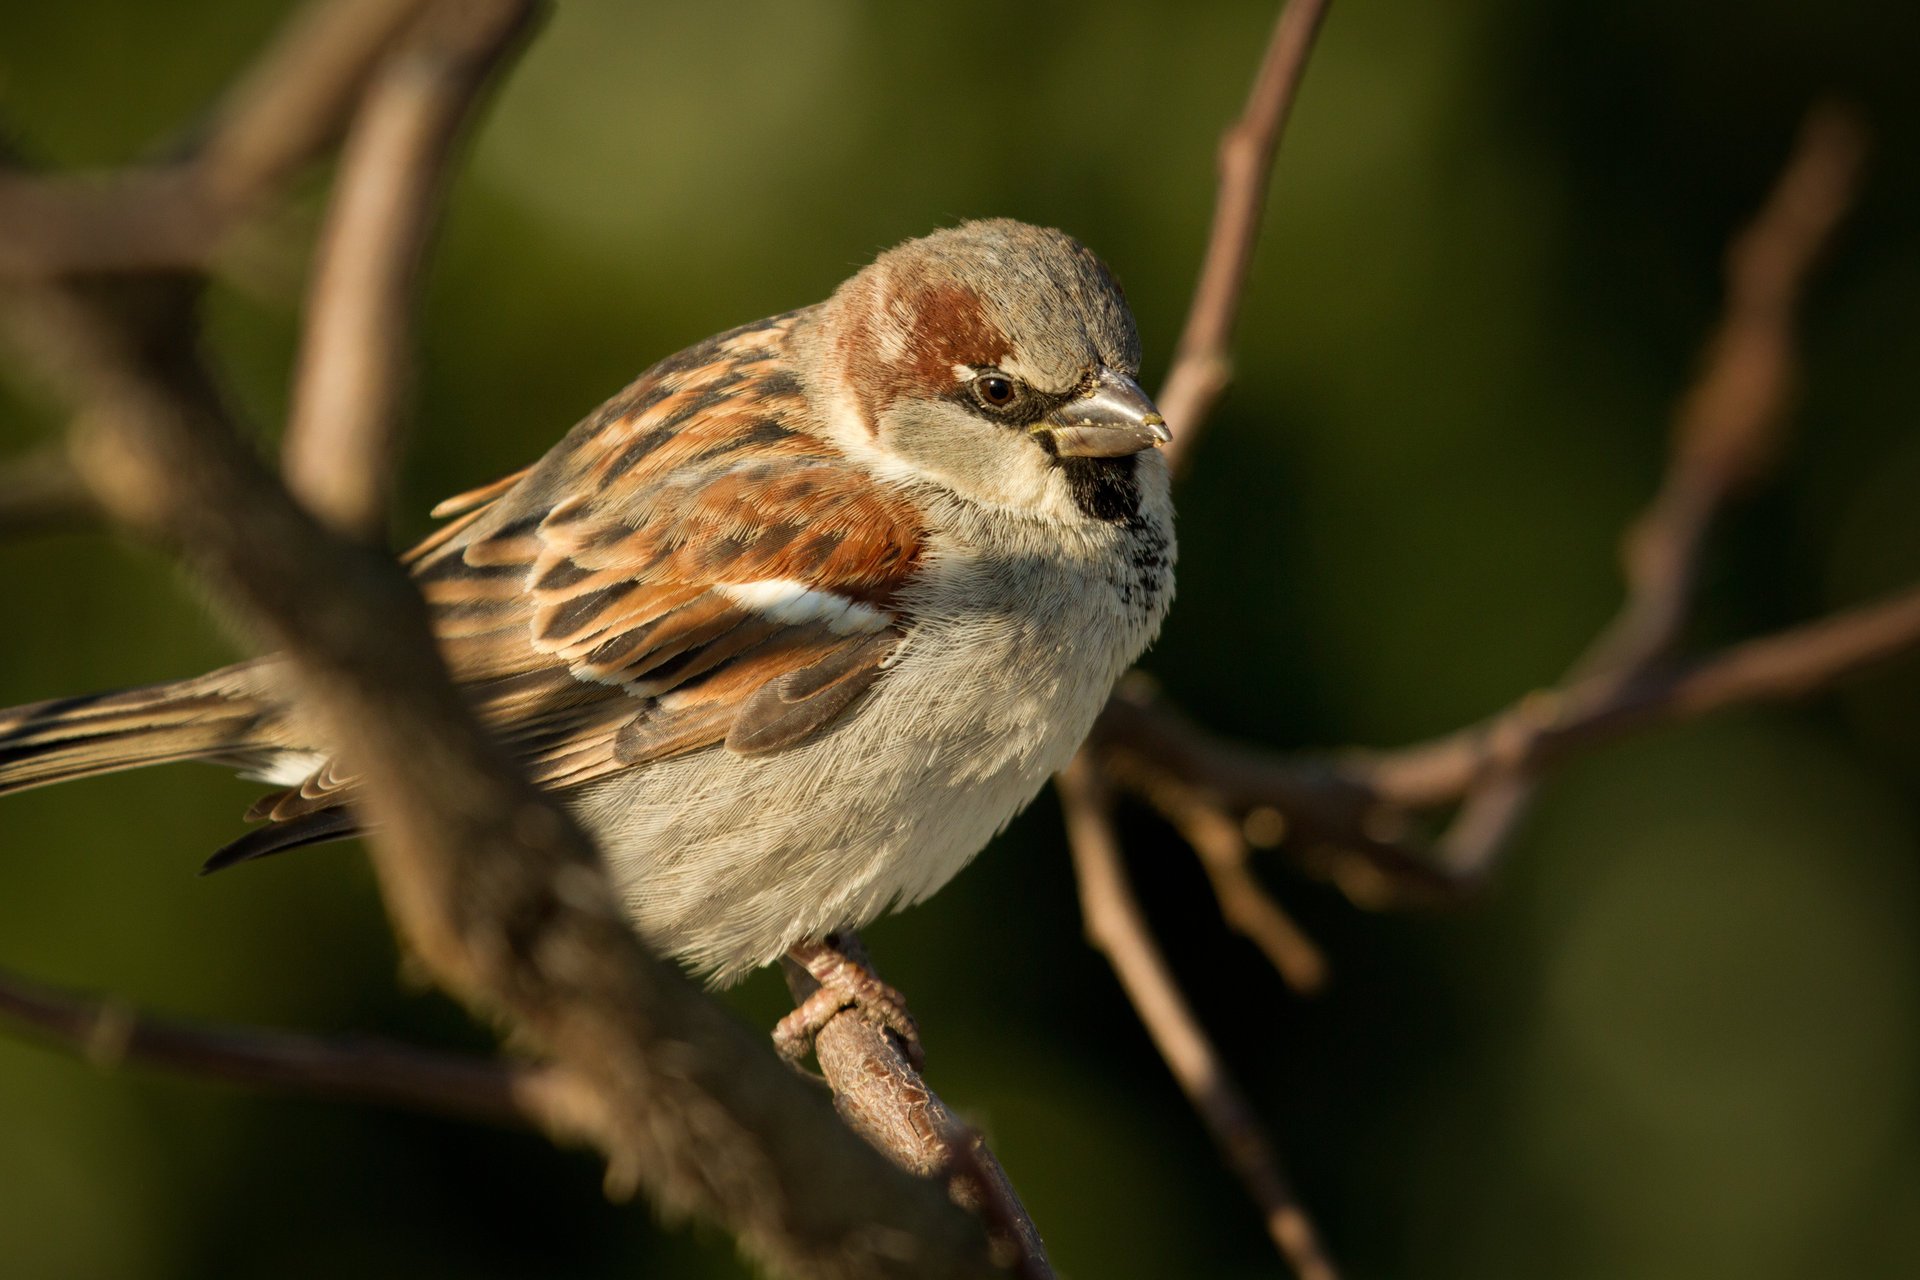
[1679,1037]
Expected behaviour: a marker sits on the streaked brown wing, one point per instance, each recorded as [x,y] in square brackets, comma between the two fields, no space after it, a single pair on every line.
[690,566]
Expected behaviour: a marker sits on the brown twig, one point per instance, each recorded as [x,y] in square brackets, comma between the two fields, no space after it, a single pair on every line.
[1244,902]
[1115,926]
[1726,427]
[880,1094]
[1347,814]
[1202,368]
[1725,435]
[295,100]
[1326,813]
[343,428]
[1160,753]
[1203,363]
[108,1034]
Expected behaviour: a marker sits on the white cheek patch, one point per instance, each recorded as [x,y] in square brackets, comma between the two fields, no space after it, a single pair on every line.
[794,604]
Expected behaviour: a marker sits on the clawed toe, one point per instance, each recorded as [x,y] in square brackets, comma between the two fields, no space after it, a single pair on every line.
[846,982]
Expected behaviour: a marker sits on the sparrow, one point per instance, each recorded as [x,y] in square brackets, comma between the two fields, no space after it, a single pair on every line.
[793,625]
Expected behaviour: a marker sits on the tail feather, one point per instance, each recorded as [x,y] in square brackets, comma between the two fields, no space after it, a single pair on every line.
[219,716]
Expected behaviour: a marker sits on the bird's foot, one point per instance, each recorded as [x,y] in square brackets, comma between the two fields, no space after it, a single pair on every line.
[847,981]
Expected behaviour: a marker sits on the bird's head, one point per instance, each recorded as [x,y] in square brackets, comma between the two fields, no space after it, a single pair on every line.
[997,359]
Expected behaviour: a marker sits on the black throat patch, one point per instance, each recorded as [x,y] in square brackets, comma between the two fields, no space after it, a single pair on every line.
[1104,488]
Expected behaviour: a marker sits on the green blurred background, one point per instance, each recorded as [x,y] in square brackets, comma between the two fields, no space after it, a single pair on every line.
[1678,1038]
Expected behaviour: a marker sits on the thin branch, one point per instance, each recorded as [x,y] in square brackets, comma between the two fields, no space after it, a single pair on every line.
[1346,801]
[109,1034]
[1727,425]
[1203,363]
[343,430]
[1347,814]
[1725,436]
[1326,813]
[1245,903]
[878,1092]
[1789,664]
[1115,926]
[295,100]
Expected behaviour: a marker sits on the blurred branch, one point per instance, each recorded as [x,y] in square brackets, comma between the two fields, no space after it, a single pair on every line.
[1116,926]
[496,890]
[1245,904]
[109,1034]
[1203,362]
[1348,815]
[343,429]
[1725,437]
[286,110]
[1202,369]
[880,1094]
[40,493]
[1727,425]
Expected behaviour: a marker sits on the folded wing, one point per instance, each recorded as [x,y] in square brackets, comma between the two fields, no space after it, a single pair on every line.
[691,567]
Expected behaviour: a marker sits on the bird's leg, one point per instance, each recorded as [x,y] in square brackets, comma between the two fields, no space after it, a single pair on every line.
[847,981]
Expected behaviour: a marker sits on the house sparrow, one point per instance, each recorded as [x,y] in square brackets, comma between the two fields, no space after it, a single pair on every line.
[794,624]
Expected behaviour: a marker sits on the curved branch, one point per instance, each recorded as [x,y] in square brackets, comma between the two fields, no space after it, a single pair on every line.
[1348,812]
[880,1094]
[497,891]
[1724,438]
[343,427]
[494,888]
[1348,800]
[1117,928]
[1202,363]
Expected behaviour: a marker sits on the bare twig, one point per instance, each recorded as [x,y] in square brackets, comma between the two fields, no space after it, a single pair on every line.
[1345,801]
[1724,437]
[1116,926]
[1202,363]
[1329,811]
[1245,903]
[890,1104]
[343,428]
[1726,426]
[1347,814]
[977,1182]
[109,1034]
[296,98]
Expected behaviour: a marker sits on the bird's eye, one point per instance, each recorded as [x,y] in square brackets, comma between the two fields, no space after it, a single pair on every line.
[995,390]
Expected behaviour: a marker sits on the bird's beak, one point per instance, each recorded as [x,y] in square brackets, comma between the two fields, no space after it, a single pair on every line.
[1112,420]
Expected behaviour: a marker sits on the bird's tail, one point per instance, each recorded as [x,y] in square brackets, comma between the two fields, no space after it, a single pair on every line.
[221,717]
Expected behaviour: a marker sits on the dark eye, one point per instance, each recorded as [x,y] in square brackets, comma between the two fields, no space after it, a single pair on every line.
[995,390]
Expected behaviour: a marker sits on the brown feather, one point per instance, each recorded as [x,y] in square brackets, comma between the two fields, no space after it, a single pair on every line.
[592,633]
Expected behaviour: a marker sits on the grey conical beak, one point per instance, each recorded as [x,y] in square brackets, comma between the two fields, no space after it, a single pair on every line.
[1112,420]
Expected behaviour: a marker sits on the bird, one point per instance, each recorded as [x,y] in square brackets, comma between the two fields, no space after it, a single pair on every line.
[793,625]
